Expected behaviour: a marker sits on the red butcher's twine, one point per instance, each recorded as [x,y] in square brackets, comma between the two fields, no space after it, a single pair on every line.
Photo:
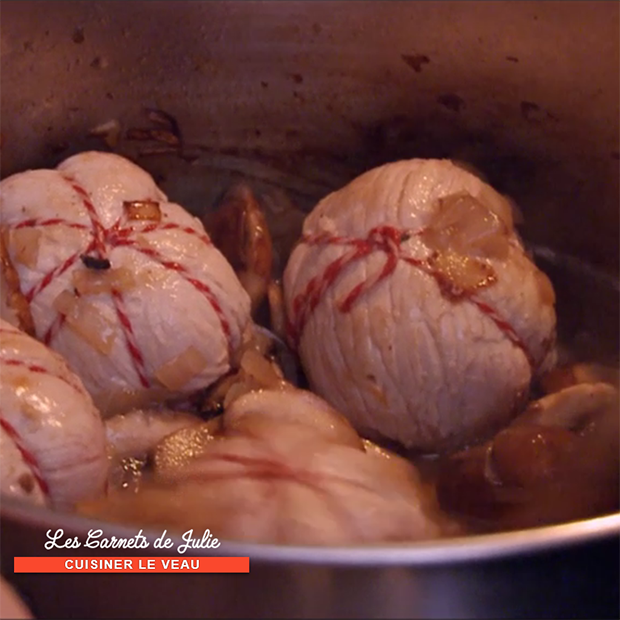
[102,239]
[28,457]
[386,239]
[69,379]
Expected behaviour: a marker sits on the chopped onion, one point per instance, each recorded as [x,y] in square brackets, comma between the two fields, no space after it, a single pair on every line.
[461,275]
[64,303]
[24,244]
[504,208]
[142,210]
[87,321]
[93,282]
[177,372]
[465,225]
[221,387]
[7,311]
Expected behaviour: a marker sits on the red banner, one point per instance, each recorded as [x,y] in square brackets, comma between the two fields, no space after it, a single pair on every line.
[131,565]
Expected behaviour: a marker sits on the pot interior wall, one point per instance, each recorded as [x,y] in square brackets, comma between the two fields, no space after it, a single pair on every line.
[527,92]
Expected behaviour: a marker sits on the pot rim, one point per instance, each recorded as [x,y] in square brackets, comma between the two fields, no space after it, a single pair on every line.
[497,546]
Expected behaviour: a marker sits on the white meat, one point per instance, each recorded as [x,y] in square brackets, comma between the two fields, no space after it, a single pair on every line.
[53,443]
[408,360]
[285,469]
[166,317]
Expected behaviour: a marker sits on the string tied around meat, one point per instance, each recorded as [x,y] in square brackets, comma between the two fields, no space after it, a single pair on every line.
[383,238]
[386,239]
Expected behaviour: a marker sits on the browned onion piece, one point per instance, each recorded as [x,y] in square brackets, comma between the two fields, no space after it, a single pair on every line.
[265,362]
[142,210]
[24,244]
[93,282]
[463,224]
[178,371]
[459,275]
[463,234]
[85,320]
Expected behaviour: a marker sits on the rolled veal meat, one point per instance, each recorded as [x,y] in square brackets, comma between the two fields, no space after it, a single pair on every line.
[52,438]
[415,309]
[126,285]
[285,468]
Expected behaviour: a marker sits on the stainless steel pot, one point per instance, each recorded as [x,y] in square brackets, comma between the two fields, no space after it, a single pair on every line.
[305,95]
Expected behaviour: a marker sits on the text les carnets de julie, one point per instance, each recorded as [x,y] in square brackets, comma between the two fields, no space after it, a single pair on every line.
[96,540]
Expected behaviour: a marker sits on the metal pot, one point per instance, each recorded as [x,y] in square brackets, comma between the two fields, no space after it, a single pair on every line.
[305,95]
